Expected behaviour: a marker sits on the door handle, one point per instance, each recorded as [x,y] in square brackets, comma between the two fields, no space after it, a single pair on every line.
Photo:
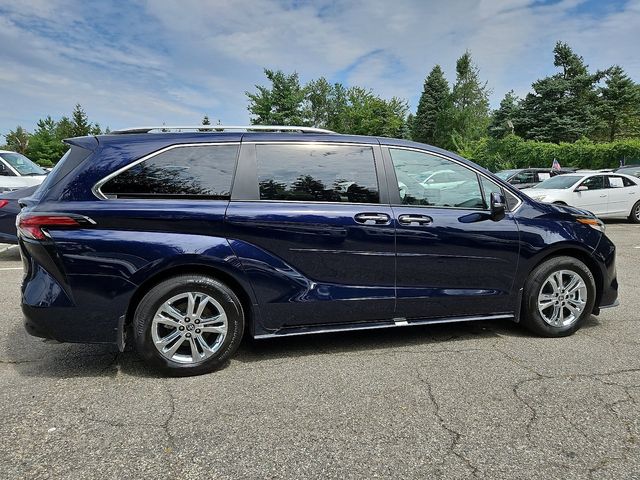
[375,218]
[603,196]
[415,220]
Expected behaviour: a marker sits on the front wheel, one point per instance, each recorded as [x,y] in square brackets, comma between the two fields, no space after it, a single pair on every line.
[634,216]
[558,297]
[188,325]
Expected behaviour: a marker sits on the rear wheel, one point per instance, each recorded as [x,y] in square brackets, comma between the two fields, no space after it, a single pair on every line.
[558,296]
[634,216]
[188,325]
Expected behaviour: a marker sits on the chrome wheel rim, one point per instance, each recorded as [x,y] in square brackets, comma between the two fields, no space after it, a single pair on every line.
[562,298]
[189,327]
[637,212]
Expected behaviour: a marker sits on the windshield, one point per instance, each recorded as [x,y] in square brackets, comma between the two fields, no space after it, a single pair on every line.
[22,164]
[505,174]
[559,182]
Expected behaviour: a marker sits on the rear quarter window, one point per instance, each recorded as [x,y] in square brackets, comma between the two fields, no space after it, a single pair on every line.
[181,172]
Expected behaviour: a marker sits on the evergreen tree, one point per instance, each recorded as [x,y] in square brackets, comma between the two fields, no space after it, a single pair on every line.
[80,122]
[619,103]
[429,122]
[205,120]
[470,104]
[279,104]
[561,107]
[505,118]
[64,128]
[45,146]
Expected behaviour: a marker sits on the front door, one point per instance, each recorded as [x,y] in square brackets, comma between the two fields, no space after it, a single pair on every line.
[452,259]
[595,198]
[316,234]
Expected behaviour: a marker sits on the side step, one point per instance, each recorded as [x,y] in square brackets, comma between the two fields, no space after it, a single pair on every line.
[396,322]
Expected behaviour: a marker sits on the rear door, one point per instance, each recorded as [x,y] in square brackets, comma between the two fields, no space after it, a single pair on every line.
[623,193]
[452,259]
[312,226]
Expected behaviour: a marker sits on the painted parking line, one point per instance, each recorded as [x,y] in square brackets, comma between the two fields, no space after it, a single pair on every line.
[11,268]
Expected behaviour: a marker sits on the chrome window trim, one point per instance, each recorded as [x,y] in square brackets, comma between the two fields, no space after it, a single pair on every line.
[96,189]
[445,157]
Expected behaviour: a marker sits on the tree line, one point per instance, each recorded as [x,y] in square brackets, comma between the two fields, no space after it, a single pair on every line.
[44,145]
[593,114]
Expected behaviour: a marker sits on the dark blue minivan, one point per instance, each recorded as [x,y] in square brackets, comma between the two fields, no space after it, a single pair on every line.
[181,239]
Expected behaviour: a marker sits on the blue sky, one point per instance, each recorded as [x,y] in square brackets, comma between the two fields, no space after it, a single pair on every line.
[156,61]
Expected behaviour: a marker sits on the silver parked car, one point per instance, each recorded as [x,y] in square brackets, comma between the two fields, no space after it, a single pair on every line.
[17,171]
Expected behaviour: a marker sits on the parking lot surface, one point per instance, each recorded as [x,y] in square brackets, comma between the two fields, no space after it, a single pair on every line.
[483,400]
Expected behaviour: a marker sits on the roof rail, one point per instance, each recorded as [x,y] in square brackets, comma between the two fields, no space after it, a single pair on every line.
[222,128]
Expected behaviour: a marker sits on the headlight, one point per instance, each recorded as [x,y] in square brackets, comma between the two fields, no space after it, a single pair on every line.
[593,222]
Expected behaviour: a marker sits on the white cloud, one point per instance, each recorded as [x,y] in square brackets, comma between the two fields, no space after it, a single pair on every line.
[170,61]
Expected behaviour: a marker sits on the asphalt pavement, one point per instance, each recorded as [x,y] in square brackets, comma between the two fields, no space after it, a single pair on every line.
[485,400]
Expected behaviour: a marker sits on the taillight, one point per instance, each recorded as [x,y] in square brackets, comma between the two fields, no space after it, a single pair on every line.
[3,203]
[33,225]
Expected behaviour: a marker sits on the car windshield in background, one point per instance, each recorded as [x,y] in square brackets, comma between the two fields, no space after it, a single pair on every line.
[22,164]
[559,182]
[505,174]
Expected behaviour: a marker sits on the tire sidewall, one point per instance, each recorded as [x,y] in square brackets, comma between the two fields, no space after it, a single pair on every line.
[532,317]
[151,302]
[632,217]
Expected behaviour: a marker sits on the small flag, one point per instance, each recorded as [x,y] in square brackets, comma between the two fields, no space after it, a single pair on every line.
[556,165]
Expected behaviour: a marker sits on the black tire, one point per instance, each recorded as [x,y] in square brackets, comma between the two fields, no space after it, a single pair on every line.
[634,216]
[159,294]
[531,317]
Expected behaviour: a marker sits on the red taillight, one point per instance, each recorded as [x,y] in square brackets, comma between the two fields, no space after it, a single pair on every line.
[31,225]
[3,203]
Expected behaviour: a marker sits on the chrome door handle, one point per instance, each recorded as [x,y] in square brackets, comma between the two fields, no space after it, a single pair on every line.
[375,218]
[415,220]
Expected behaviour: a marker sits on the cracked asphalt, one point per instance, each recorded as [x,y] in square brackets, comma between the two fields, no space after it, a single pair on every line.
[484,400]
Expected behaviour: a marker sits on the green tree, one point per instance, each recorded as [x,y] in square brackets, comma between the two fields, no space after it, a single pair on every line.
[505,118]
[367,114]
[470,104]
[561,107]
[325,105]
[80,125]
[279,104]
[64,128]
[619,103]
[46,146]
[205,120]
[429,123]
[18,140]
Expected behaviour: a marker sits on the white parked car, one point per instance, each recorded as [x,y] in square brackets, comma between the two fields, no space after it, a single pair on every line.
[607,195]
[17,171]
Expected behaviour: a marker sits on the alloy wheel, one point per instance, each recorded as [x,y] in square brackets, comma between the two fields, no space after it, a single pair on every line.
[562,298]
[189,327]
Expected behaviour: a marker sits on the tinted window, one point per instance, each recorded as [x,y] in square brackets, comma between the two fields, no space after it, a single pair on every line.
[183,171]
[317,173]
[628,182]
[594,183]
[460,190]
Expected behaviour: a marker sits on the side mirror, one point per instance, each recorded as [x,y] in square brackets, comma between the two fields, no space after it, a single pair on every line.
[497,205]
[581,188]
[3,170]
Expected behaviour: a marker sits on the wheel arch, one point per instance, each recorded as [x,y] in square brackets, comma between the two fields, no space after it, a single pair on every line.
[580,254]
[243,292]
